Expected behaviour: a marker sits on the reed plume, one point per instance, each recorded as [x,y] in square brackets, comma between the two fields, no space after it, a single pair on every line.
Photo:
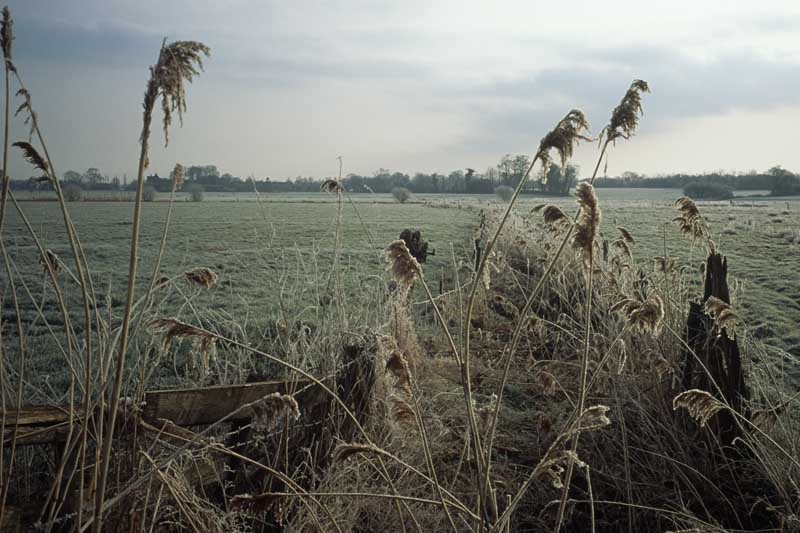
[588,222]
[404,268]
[554,215]
[592,418]
[178,62]
[626,235]
[625,117]
[564,137]
[202,276]
[699,404]
[178,176]
[331,186]
[171,328]
[722,314]
[644,316]
[690,222]
[33,157]
[552,465]
[7,36]
[344,451]
[50,261]
[271,410]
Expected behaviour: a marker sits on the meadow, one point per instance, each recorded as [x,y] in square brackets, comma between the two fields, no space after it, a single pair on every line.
[263,247]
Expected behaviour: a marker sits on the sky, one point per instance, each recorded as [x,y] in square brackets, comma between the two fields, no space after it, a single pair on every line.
[413,85]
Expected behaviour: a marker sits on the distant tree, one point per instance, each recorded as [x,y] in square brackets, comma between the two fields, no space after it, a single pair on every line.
[504,192]
[70,176]
[708,191]
[195,191]
[148,193]
[401,194]
[783,182]
[92,177]
[556,182]
[73,193]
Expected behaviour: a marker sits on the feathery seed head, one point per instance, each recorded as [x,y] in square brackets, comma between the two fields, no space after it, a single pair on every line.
[271,410]
[564,137]
[625,117]
[700,405]
[344,451]
[178,62]
[589,222]
[202,276]
[404,268]
[171,328]
[691,223]
[723,315]
[178,175]
[33,157]
[644,316]
[50,261]
[553,215]
[7,34]
[331,186]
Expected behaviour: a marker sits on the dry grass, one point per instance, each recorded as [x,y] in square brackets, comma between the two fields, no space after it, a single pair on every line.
[547,397]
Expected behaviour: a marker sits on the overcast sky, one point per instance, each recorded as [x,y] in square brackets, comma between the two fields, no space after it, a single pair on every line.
[414,85]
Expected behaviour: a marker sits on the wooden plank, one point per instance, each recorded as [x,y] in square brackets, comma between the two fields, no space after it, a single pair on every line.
[183,407]
[199,406]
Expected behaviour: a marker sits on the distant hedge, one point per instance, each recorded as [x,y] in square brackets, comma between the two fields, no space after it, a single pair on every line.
[708,191]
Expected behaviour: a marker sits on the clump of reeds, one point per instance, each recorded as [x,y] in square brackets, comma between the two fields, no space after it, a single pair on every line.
[202,276]
[588,223]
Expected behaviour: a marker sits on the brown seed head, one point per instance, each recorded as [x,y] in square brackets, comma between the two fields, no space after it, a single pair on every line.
[404,268]
[700,405]
[50,261]
[202,276]
[645,317]
[690,222]
[178,62]
[553,215]
[564,137]
[171,328]
[331,186]
[7,34]
[32,156]
[178,175]
[272,410]
[588,222]
[723,315]
[344,451]
[625,117]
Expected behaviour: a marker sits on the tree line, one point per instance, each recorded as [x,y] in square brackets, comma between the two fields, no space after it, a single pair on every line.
[508,171]
[777,180]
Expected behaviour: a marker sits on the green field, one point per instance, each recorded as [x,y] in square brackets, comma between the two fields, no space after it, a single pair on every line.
[274,253]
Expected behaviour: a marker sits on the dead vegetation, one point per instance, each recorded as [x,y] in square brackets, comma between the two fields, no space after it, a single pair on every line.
[564,387]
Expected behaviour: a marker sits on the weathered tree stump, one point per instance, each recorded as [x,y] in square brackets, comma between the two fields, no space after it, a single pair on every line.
[416,245]
[718,352]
